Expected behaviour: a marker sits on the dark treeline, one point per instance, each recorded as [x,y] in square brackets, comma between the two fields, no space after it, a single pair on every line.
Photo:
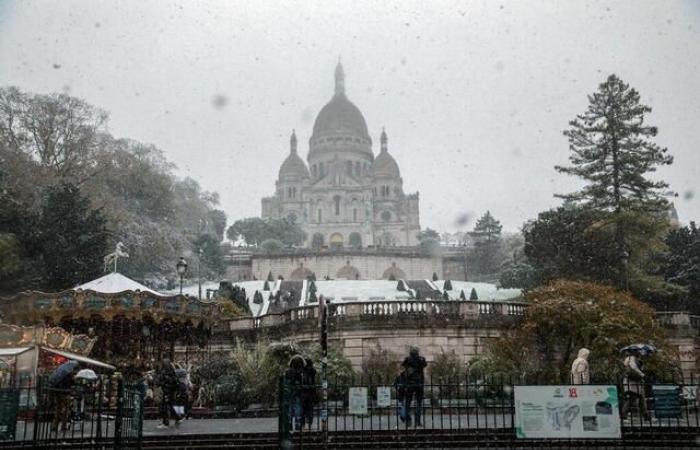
[69,191]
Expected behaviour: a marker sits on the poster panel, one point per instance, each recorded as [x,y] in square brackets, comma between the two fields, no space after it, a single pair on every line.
[667,401]
[563,412]
[357,401]
[383,396]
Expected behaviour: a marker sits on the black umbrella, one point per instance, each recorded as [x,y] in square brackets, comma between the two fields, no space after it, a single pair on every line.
[639,348]
[62,372]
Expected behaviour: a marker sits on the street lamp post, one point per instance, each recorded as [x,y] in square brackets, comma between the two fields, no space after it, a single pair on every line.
[181,267]
[199,272]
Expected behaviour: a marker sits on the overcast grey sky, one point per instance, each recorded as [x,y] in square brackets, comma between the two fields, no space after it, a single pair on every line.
[474,95]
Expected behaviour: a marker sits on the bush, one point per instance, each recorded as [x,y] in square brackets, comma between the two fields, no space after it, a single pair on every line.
[272,245]
[563,317]
[446,371]
[218,377]
[380,366]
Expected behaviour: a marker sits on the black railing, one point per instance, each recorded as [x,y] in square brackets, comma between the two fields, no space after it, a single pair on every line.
[466,404]
[89,415]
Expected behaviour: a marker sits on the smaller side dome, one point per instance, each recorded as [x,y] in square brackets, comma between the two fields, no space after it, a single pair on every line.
[293,166]
[385,166]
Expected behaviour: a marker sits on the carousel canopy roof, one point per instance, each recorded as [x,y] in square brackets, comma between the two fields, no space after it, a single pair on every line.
[113,283]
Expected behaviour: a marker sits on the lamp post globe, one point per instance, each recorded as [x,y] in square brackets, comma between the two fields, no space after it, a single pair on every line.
[181,267]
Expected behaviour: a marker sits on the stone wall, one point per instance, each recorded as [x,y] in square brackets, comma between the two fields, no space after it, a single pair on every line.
[466,343]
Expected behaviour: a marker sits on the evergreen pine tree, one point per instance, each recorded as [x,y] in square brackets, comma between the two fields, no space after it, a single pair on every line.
[269,277]
[462,295]
[266,286]
[401,286]
[487,244]
[447,286]
[612,152]
[73,237]
[445,296]
[435,277]
[473,296]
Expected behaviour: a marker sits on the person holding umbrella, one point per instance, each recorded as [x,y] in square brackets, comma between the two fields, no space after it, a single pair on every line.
[61,382]
[633,381]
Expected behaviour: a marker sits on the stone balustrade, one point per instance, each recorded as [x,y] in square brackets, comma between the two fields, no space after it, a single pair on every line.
[436,308]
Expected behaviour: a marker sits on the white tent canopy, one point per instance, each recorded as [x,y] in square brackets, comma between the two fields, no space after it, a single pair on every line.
[113,283]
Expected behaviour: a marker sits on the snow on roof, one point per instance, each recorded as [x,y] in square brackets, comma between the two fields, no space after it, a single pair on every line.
[340,291]
[113,283]
[485,291]
[346,291]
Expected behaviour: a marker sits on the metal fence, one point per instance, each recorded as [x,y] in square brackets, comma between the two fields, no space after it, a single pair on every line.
[461,410]
[106,414]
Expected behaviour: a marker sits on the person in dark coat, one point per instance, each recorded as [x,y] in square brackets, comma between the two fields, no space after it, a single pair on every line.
[414,365]
[309,395]
[167,381]
[400,384]
[294,380]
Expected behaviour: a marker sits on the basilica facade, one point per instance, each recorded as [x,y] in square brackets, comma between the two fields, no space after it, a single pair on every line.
[343,195]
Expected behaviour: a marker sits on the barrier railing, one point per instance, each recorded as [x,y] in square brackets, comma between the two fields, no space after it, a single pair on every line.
[442,407]
[465,309]
[103,411]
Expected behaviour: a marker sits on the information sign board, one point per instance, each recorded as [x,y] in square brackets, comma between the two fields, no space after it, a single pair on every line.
[383,396]
[564,412]
[667,401]
[357,401]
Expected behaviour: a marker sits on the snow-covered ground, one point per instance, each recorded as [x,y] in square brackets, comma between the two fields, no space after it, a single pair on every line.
[359,291]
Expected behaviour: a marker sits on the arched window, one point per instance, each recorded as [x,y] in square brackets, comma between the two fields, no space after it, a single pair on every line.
[357,168]
[354,215]
[320,214]
[348,167]
[336,199]
[289,192]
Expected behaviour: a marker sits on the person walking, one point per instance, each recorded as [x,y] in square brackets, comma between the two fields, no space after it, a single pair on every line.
[294,380]
[309,395]
[634,384]
[167,381]
[414,365]
[580,369]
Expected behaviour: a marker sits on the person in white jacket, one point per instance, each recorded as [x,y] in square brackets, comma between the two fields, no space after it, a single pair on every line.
[580,370]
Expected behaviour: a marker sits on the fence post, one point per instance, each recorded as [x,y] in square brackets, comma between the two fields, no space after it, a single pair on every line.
[283,426]
[40,407]
[118,416]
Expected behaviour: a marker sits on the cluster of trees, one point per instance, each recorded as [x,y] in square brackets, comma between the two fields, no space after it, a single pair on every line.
[268,234]
[587,264]
[69,191]
[565,316]
[617,229]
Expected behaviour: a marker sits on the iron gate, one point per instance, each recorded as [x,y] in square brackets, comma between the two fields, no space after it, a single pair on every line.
[104,415]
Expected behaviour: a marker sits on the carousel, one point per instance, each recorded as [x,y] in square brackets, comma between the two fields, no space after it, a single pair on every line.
[27,353]
[129,325]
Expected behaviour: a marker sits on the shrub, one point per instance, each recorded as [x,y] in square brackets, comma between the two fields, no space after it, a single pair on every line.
[447,371]
[380,366]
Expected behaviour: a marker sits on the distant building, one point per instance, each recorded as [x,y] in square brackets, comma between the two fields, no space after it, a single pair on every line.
[345,196]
